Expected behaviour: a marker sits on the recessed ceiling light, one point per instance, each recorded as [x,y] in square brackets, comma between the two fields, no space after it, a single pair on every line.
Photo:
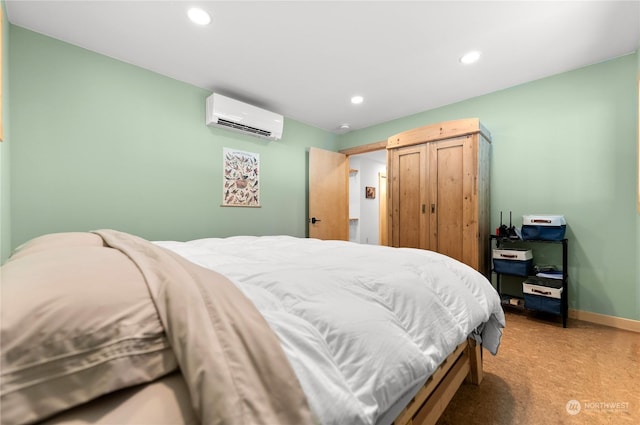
[356,100]
[199,16]
[470,57]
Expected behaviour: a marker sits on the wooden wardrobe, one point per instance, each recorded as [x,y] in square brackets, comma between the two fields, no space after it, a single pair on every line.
[438,193]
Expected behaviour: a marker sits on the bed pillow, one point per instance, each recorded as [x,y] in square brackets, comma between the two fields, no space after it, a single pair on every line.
[57,241]
[77,322]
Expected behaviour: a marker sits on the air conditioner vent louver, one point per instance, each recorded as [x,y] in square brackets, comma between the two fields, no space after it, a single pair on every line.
[227,123]
[242,117]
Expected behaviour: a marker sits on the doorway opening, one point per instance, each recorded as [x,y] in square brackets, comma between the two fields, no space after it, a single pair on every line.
[368,197]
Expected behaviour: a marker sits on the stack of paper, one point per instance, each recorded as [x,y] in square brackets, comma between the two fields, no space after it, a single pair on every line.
[551,274]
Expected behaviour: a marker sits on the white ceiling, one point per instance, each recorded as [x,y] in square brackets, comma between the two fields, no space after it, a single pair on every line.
[305,59]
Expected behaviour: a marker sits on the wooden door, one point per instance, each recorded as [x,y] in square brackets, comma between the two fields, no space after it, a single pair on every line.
[328,195]
[453,218]
[408,186]
[383,214]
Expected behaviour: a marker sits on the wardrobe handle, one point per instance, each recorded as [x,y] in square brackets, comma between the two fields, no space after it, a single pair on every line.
[424,209]
[433,208]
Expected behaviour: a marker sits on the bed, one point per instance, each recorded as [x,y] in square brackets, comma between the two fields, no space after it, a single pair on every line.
[107,327]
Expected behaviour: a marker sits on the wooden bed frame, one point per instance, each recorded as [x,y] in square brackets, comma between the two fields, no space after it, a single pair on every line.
[465,363]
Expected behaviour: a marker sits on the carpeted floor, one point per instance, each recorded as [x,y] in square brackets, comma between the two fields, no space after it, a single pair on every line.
[544,374]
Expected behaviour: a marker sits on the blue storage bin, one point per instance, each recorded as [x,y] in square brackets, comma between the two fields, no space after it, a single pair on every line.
[545,304]
[545,233]
[515,267]
[543,227]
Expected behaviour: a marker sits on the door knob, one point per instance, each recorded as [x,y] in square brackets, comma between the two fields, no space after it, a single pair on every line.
[313,220]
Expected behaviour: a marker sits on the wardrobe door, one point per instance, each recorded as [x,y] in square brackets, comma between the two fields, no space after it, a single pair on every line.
[452,199]
[446,167]
[408,174]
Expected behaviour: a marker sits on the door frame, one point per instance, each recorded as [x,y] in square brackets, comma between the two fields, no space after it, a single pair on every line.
[369,147]
[373,147]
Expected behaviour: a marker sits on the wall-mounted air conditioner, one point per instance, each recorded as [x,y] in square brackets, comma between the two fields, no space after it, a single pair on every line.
[238,116]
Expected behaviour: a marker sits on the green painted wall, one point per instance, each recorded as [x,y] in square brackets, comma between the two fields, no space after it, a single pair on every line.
[98,143]
[564,145]
[5,146]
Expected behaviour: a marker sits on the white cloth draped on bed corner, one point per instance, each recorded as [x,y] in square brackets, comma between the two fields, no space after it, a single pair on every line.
[375,320]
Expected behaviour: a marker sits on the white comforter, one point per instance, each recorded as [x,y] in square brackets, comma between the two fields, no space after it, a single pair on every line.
[360,324]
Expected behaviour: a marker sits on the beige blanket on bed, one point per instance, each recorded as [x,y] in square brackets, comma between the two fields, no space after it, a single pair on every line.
[232,362]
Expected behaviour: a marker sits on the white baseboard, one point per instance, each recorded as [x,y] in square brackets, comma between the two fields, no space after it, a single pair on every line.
[603,319]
